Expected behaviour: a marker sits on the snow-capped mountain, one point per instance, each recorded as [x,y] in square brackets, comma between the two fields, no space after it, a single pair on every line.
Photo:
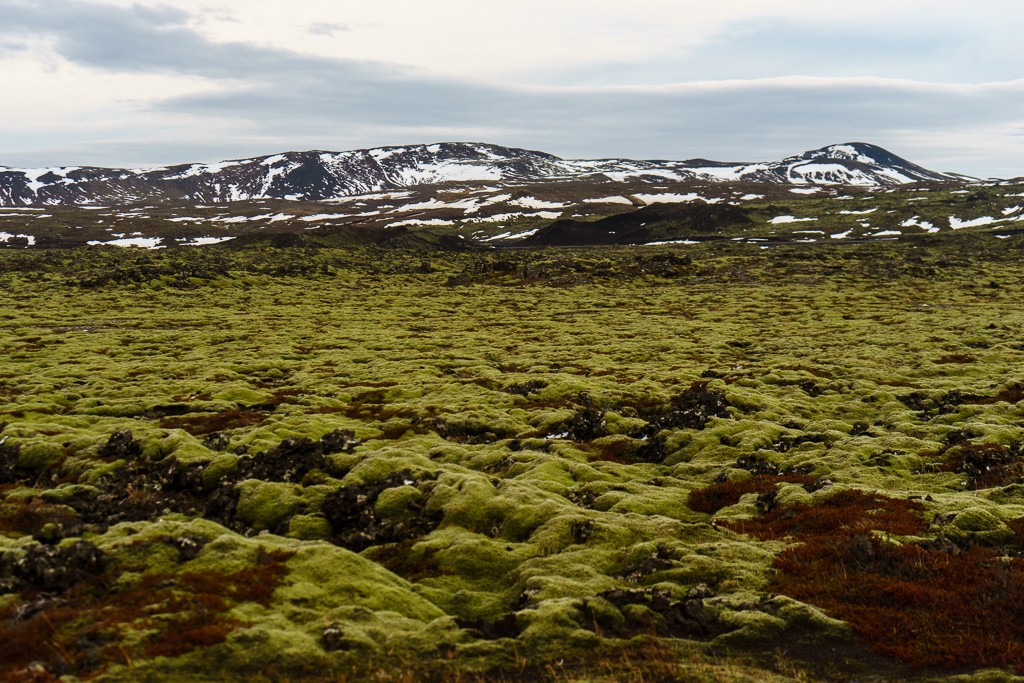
[318,175]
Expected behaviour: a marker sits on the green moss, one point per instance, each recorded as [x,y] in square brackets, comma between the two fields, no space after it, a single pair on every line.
[266,505]
[221,466]
[395,502]
[39,455]
[839,361]
[240,394]
[308,528]
[324,578]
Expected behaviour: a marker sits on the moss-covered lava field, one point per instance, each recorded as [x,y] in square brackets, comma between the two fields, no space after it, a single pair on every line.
[710,462]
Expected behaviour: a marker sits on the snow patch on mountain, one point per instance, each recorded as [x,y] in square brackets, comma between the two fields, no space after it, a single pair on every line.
[7,237]
[534,203]
[608,200]
[671,198]
[956,224]
[203,169]
[917,222]
[336,176]
[779,220]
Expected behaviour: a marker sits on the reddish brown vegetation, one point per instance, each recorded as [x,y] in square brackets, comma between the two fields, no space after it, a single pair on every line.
[929,604]
[844,513]
[928,607]
[958,358]
[29,516]
[722,494]
[986,465]
[79,632]
[198,425]
[1011,394]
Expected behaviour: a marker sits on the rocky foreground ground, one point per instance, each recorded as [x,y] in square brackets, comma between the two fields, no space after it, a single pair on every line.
[701,462]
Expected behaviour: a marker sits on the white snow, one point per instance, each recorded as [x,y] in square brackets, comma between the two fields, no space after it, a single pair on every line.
[805,190]
[849,152]
[184,219]
[624,175]
[658,244]
[469,205]
[199,241]
[534,203]
[828,174]
[447,171]
[19,208]
[956,223]
[841,235]
[496,199]
[789,219]
[894,175]
[201,169]
[32,175]
[371,196]
[670,198]
[380,154]
[277,217]
[914,222]
[859,213]
[424,221]
[235,219]
[751,197]
[887,233]
[7,237]
[322,217]
[272,173]
[142,242]
[511,235]
[608,200]
[548,215]
[729,172]
[1011,210]
[270,161]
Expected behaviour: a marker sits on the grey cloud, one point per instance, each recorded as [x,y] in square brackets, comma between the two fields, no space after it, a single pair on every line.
[143,39]
[276,96]
[939,47]
[329,29]
[933,49]
[746,121]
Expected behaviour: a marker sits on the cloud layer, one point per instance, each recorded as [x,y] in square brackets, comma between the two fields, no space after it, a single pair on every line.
[750,102]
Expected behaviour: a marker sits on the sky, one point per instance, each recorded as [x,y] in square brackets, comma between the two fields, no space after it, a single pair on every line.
[141,82]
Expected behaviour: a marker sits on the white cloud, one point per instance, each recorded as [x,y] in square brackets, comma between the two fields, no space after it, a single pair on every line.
[125,81]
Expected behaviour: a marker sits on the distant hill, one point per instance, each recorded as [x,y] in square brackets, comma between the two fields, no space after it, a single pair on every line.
[318,175]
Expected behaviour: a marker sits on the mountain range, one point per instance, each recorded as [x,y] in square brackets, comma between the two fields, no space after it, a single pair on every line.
[319,175]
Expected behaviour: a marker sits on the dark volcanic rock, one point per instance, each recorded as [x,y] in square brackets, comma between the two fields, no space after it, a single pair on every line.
[651,223]
[663,615]
[51,569]
[121,445]
[356,524]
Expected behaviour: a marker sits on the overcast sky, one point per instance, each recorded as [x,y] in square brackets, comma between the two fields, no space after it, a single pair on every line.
[122,82]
